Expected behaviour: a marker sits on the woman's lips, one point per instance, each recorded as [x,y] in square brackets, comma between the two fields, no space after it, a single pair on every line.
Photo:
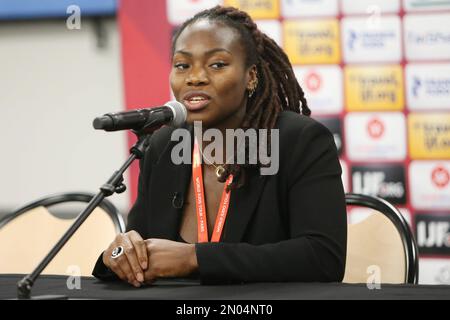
[195,105]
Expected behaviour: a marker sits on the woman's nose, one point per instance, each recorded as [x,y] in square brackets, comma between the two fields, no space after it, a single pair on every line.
[197,77]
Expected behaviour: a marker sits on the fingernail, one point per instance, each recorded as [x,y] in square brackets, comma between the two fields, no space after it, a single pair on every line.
[140,277]
[137,284]
[144,265]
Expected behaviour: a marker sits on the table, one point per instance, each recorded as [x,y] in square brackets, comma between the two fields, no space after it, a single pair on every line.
[186,289]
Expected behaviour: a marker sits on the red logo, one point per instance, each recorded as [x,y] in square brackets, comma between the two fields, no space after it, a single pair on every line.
[440,177]
[313,82]
[375,128]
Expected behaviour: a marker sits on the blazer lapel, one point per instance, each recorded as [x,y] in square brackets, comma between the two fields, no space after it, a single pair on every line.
[169,184]
[243,204]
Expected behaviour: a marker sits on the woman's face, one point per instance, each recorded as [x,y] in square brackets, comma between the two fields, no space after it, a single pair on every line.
[209,76]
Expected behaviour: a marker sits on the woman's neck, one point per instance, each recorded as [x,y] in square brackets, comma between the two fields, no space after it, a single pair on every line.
[233,122]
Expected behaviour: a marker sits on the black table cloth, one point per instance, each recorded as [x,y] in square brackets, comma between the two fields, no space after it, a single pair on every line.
[184,289]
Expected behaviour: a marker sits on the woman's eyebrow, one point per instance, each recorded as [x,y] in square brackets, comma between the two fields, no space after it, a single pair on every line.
[207,53]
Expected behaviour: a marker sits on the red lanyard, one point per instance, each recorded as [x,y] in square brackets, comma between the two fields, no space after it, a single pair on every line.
[197,179]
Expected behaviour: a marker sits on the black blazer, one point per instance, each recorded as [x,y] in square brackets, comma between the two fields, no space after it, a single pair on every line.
[290,226]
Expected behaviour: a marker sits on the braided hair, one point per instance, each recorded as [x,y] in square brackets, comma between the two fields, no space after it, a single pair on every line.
[277,88]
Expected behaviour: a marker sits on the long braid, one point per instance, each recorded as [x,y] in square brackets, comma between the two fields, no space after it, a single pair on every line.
[278,88]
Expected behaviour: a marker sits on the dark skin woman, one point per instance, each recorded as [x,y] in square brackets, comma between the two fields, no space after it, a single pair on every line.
[228,75]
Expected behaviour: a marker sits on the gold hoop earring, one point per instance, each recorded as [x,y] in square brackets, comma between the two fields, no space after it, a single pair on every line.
[252,90]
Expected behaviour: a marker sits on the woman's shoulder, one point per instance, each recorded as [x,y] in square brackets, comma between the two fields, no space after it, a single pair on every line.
[303,142]
[293,128]
[291,125]
[159,142]
[161,138]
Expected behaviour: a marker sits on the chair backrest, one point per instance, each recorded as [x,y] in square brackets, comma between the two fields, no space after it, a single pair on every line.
[28,234]
[383,240]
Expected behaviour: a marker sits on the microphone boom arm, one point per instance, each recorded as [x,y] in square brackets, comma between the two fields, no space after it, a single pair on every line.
[113,185]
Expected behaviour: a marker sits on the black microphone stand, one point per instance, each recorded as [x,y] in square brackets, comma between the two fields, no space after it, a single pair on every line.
[114,184]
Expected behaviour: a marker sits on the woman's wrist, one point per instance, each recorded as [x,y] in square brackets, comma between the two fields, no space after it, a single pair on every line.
[193,263]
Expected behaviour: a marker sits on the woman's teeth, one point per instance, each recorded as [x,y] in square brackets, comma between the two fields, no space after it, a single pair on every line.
[196,100]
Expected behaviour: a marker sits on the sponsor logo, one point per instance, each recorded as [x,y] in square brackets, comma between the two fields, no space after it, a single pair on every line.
[375,128]
[312,42]
[387,182]
[429,135]
[370,40]
[435,87]
[351,40]
[440,177]
[429,38]
[416,86]
[433,233]
[429,184]
[257,9]
[374,88]
[313,81]
[322,86]
[429,41]
[375,136]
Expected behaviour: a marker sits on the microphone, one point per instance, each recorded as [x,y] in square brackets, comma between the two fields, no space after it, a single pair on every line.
[173,113]
[177,201]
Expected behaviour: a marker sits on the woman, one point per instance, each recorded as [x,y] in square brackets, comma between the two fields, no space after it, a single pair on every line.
[290,226]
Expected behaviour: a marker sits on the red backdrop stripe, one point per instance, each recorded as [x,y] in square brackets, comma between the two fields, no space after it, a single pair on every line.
[145,37]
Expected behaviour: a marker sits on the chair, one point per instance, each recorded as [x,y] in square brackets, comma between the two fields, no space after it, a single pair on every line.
[29,233]
[384,239]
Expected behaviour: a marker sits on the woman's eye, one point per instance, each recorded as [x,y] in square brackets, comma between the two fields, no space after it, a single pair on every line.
[218,65]
[181,66]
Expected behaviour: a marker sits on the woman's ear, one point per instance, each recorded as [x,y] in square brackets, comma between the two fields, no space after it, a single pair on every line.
[252,78]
